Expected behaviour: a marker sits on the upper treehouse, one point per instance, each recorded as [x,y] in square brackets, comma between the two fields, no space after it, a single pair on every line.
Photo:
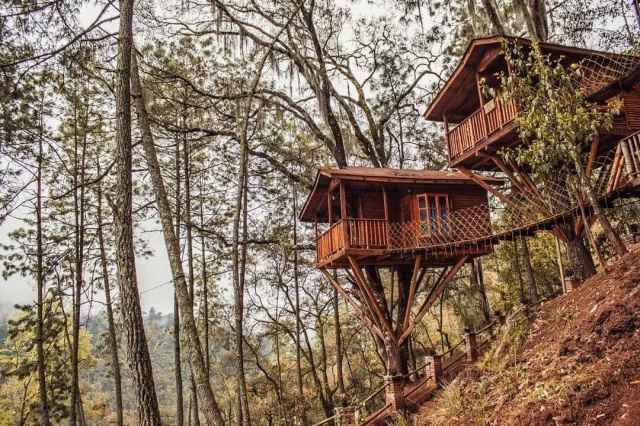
[385,216]
[477,123]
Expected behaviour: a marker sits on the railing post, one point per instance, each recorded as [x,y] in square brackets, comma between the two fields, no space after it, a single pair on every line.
[347,416]
[471,345]
[394,392]
[346,234]
[433,369]
[628,161]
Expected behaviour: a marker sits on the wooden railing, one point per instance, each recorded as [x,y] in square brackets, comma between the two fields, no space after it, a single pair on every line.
[479,126]
[466,134]
[331,241]
[368,233]
[379,234]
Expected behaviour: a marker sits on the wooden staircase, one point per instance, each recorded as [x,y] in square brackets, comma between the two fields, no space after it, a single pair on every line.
[453,362]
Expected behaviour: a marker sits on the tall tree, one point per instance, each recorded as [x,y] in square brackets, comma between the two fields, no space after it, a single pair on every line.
[113,338]
[137,350]
[211,411]
[40,283]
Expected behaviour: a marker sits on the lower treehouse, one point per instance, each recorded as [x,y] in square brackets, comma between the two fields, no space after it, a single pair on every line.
[386,217]
[393,240]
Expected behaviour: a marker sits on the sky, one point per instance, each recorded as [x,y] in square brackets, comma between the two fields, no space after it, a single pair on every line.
[154,273]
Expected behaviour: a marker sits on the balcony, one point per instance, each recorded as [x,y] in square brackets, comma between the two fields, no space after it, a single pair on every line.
[379,237]
[480,128]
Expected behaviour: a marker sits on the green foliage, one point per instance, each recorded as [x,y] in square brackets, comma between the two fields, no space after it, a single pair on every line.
[18,363]
[556,120]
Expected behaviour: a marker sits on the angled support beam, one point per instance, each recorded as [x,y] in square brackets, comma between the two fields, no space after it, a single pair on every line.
[353,304]
[435,293]
[364,287]
[478,179]
[595,144]
[366,301]
[524,185]
[412,292]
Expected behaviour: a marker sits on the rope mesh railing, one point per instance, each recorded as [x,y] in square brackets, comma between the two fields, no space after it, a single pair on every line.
[525,205]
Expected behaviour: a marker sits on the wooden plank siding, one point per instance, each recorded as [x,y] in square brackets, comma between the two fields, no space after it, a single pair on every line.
[366,231]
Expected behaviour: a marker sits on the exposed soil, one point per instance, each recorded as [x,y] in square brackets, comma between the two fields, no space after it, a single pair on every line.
[579,365]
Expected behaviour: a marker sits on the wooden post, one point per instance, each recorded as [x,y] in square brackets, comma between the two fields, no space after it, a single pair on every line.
[595,143]
[329,206]
[433,371]
[386,216]
[343,202]
[471,345]
[330,235]
[394,393]
[626,154]
[446,136]
[560,266]
[484,116]
[346,416]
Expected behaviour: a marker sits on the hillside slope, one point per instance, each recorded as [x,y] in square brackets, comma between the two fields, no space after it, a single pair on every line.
[576,361]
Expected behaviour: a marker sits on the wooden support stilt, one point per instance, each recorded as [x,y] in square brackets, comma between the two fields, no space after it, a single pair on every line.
[353,304]
[366,300]
[435,293]
[595,144]
[478,179]
[364,287]
[412,292]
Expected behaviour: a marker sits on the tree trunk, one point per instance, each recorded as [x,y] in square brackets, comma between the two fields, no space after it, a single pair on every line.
[611,234]
[338,331]
[194,397]
[296,284]
[113,340]
[635,5]
[492,13]
[404,283]
[176,311]
[209,404]
[42,378]
[530,276]
[79,216]
[205,292]
[186,162]
[477,282]
[238,281]
[580,262]
[138,352]
[522,7]
[539,17]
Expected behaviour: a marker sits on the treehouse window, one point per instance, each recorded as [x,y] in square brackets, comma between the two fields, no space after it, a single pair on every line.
[433,213]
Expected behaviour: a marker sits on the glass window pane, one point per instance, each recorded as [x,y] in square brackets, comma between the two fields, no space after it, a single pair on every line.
[421,202]
[442,202]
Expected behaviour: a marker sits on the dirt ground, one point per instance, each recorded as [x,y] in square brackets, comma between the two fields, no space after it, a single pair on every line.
[579,365]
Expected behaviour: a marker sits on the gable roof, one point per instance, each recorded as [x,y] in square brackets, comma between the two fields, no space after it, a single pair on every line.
[453,95]
[380,176]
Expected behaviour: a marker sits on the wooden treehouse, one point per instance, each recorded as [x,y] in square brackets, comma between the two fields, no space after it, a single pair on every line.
[390,241]
[477,125]
[383,216]
[394,239]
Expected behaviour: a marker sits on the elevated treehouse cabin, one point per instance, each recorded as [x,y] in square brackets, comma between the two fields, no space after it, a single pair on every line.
[382,216]
[398,239]
[477,125]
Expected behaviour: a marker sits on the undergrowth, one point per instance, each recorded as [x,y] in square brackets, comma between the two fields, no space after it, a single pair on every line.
[499,376]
